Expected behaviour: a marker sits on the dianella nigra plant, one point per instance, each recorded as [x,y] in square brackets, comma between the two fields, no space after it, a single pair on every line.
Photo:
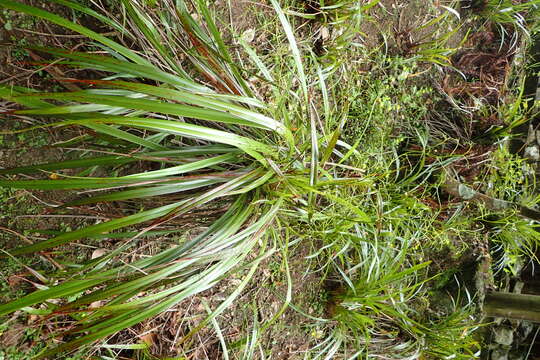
[177,104]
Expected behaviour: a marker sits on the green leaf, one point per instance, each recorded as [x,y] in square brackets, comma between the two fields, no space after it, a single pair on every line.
[124,135]
[106,63]
[52,293]
[294,48]
[146,105]
[178,186]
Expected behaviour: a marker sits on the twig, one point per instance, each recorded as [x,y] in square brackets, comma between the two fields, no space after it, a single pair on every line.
[28,72]
[467,193]
[28,241]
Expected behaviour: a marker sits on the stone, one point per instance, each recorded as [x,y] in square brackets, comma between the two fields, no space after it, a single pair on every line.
[248,36]
[516,355]
[503,335]
[526,328]
[499,354]
[532,152]
[518,287]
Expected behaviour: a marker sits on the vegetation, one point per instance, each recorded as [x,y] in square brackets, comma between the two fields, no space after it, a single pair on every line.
[208,157]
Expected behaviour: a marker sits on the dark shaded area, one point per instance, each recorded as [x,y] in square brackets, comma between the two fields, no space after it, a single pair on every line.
[530,88]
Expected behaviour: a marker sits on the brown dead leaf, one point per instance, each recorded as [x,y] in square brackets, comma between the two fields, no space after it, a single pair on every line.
[98,253]
[32,319]
[97,304]
[14,281]
[148,338]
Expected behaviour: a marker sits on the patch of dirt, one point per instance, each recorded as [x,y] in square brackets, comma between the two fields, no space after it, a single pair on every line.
[485,65]
[13,336]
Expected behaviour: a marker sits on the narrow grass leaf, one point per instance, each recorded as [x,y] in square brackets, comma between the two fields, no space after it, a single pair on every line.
[294,48]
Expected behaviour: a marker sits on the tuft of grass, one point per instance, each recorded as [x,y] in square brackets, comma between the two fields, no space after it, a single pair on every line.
[507,12]
[375,316]
[195,163]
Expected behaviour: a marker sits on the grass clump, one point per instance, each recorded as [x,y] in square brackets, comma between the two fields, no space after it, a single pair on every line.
[507,12]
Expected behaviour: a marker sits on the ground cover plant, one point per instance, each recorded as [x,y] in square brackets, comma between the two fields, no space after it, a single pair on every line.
[262,152]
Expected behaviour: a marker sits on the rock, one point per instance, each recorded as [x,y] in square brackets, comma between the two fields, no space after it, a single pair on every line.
[518,287]
[526,329]
[248,36]
[499,354]
[503,335]
[325,33]
[516,355]
[465,192]
[532,152]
